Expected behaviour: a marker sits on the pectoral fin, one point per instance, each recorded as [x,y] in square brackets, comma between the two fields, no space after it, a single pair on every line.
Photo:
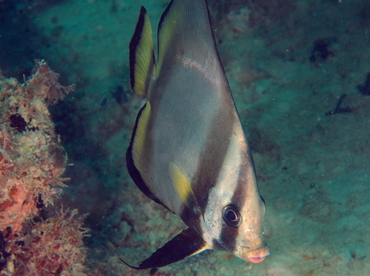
[182,187]
[185,244]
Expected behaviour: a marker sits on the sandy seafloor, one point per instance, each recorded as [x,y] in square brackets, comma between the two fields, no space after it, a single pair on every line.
[313,168]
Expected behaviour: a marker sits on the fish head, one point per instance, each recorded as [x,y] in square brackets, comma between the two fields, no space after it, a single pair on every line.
[243,232]
[235,212]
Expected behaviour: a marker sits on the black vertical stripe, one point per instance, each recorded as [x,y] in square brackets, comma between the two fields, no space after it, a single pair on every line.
[229,234]
[213,155]
[209,165]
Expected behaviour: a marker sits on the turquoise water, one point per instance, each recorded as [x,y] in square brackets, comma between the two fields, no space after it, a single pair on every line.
[289,63]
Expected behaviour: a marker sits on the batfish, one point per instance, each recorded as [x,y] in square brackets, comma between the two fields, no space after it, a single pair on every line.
[188,151]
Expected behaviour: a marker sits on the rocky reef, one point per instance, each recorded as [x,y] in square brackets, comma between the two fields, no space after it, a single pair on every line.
[33,239]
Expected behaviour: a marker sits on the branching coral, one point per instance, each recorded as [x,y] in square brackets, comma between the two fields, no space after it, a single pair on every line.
[32,162]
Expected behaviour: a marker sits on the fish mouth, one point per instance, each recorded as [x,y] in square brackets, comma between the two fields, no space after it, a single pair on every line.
[256,256]
[255,260]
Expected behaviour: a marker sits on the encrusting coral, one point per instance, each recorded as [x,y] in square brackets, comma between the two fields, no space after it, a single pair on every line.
[32,162]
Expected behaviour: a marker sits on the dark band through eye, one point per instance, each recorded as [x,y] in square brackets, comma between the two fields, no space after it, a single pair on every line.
[231,216]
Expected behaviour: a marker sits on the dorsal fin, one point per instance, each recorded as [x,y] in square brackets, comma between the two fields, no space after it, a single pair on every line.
[166,26]
[142,54]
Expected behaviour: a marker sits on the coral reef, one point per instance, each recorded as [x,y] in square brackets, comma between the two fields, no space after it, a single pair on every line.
[31,166]
[51,247]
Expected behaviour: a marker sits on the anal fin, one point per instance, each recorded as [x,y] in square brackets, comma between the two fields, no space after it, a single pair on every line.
[136,152]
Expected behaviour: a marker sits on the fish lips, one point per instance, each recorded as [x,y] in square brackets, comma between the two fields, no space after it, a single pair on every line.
[256,256]
[250,255]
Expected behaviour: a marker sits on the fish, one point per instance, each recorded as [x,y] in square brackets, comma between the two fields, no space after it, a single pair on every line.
[188,151]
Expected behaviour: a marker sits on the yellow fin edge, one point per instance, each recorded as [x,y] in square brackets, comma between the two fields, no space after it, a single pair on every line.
[138,147]
[141,54]
[167,27]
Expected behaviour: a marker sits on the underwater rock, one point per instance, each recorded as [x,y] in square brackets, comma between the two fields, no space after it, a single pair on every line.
[32,162]
[321,51]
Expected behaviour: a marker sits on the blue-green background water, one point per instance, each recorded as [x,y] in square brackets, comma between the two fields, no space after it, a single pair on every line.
[288,64]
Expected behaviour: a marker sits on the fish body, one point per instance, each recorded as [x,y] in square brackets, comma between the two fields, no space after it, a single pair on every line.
[188,151]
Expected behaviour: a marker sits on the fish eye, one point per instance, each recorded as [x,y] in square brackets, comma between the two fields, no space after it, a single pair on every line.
[232,216]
